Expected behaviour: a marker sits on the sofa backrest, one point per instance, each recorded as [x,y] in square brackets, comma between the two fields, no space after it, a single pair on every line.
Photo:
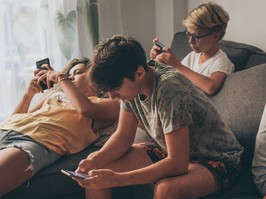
[240,103]
[256,59]
[238,53]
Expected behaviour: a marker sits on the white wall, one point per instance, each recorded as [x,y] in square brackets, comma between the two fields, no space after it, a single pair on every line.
[134,18]
[147,19]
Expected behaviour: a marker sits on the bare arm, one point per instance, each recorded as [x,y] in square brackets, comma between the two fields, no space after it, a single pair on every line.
[105,109]
[116,146]
[176,163]
[209,85]
[24,104]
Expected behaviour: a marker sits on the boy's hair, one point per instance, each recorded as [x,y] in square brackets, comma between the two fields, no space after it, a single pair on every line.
[209,17]
[114,59]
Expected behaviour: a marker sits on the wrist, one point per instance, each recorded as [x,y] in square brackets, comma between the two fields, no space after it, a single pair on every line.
[62,77]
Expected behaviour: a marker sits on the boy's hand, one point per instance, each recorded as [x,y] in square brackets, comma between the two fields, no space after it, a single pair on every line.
[85,166]
[155,50]
[100,179]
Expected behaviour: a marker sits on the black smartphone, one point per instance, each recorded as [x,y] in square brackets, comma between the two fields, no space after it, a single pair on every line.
[160,45]
[74,174]
[39,66]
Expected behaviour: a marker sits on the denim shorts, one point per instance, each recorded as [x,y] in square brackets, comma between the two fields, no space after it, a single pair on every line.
[38,154]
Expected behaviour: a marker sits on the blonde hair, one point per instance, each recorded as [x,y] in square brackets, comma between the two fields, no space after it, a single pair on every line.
[75,61]
[71,63]
[208,17]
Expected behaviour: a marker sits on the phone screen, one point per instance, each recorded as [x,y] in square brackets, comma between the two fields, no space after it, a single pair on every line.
[39,66]
[74,174]
[41,62]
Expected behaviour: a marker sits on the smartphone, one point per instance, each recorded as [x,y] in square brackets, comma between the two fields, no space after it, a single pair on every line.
[74,174]
[39,66]
[160,45]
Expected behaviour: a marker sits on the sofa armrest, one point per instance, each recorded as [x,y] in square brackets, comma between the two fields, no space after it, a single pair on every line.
[240,103]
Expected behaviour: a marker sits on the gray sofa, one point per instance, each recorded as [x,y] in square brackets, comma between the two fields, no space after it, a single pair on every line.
[240,102]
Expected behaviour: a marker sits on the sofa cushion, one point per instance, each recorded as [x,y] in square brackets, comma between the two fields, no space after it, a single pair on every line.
[180,45]
[240,103]
[256,59]
[238,53]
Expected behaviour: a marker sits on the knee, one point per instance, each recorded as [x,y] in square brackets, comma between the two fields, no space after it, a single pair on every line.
[164,188]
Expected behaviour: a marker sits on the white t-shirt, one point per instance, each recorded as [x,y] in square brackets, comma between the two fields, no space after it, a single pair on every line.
[218,62]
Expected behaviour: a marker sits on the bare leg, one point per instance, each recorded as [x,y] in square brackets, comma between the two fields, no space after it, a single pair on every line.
[135,158]
[13,163]
[198,182]
[98,193]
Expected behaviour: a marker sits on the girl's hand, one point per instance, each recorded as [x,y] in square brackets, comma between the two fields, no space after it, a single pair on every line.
[34,87]
[47,76]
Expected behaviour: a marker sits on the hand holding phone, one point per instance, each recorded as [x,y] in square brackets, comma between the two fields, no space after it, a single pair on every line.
[157,43]
[39,66]
[75,174]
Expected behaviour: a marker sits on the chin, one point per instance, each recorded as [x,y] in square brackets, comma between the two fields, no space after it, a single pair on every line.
[196,50]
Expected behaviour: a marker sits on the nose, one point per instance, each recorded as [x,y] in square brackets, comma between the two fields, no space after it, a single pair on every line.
[71,77]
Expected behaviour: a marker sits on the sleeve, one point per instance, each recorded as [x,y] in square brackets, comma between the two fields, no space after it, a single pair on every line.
[174,107]
[221,63]
[259,159]
[126,106]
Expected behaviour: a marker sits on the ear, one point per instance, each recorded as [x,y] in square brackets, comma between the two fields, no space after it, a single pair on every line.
[140,73]
[217,36]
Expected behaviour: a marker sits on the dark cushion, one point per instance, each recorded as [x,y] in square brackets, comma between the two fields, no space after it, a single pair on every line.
[240,102]
[180,45]
[238,53]
[256,59]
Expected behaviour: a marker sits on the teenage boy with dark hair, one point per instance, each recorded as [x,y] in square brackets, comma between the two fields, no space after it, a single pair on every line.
[193,148]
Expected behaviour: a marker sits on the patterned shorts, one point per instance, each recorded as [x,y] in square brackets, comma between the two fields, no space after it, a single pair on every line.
[225,174]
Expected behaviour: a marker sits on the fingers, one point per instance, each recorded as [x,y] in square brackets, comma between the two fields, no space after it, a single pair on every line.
[100,179]
[82,167]
[87,182]
[45,75]
[34,86]
[154,51]
[47,67]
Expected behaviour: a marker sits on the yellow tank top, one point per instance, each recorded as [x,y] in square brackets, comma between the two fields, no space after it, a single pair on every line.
[57,125]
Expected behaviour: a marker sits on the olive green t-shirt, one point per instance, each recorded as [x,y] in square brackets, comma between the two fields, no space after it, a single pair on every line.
[174,102]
